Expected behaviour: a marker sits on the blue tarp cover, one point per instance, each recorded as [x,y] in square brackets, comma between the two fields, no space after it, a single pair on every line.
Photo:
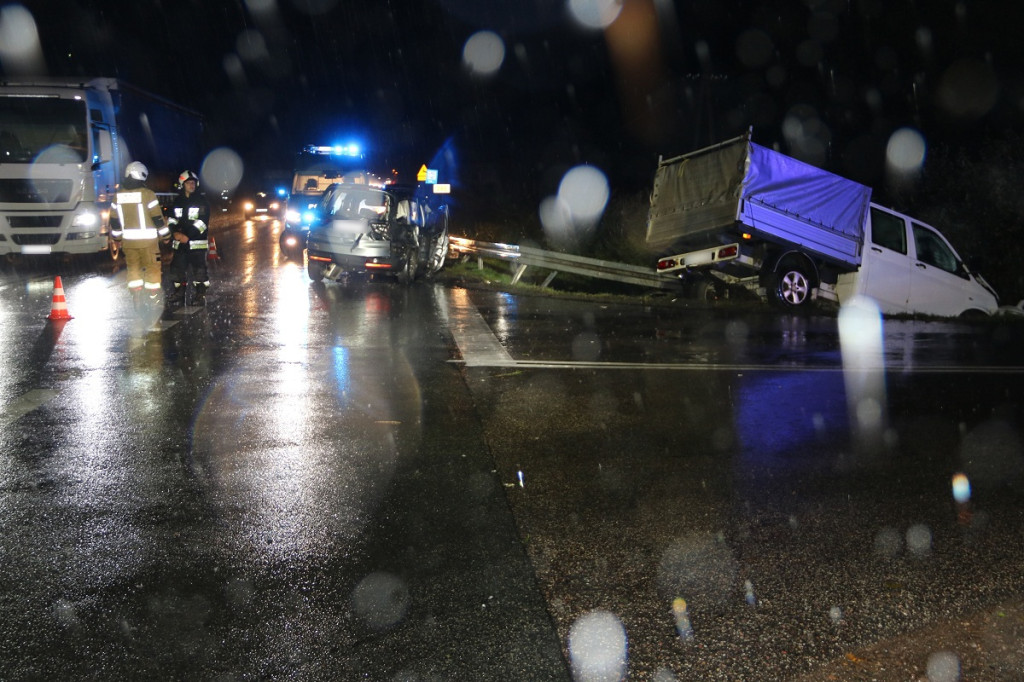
[697,196]
[798,188]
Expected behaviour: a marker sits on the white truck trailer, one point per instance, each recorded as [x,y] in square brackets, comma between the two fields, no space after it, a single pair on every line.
[739,214]
[64,144]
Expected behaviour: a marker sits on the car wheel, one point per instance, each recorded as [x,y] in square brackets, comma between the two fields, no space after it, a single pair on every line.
[114,249]
[438,253]
[315,269]
[407,271]
[790,285]
[973,315]
[291,245]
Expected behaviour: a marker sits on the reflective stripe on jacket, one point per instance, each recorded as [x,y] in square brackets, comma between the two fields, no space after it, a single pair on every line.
[138,216]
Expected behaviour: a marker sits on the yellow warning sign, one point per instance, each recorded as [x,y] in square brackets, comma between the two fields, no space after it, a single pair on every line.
[422,175]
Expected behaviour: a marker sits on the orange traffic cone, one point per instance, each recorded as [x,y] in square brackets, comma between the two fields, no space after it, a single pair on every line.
[59,309]
[211,253]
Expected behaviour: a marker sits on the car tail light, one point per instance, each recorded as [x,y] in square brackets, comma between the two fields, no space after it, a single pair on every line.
[730,251]
[665,263]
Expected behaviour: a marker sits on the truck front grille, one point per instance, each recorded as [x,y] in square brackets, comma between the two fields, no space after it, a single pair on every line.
[50,221]
[35,239]
[41,191]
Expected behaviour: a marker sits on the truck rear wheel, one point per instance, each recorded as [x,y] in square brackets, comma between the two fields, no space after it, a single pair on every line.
[791,284]
[705,291]
[315,270]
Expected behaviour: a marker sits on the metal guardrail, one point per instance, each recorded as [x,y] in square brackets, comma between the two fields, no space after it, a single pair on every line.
[528,256]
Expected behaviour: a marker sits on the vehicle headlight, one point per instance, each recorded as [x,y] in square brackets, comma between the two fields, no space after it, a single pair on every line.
[273,206]
[292,216]
[248,206]
[85,219]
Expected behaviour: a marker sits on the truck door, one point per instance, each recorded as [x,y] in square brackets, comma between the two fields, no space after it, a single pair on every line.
[885,265]
[105,170]
[939,285]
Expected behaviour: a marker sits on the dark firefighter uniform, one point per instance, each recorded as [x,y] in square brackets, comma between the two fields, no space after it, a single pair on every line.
[190,221]
[137,224]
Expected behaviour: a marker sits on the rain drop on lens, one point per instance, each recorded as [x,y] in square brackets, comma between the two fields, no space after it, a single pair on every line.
[919,540]
[484,53]
[597,648]
[961,488]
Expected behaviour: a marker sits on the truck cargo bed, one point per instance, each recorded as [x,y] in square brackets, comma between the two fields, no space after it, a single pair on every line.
[707,196]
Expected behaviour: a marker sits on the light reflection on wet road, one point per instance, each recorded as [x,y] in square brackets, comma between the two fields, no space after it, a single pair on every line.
[360,479]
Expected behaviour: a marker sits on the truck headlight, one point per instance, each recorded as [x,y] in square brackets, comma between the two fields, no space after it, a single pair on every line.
[85,219]
[85,224]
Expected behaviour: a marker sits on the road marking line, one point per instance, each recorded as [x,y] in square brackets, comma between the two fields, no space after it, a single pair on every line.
[477,343]
[479,347]
[26,403]
[716,367]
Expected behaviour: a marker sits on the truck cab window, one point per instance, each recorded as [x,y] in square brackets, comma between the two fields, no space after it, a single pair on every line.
[10,146]
[931,250]
[888,231]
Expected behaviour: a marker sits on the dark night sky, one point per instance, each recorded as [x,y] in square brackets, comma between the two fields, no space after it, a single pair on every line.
[827,80]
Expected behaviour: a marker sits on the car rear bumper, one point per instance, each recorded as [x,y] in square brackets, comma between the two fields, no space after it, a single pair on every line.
[361,260]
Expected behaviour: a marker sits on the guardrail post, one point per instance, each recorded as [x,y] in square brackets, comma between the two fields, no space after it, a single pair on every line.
[520,269]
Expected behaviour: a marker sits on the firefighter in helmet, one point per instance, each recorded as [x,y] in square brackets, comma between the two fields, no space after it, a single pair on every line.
[190,225]
[137,225]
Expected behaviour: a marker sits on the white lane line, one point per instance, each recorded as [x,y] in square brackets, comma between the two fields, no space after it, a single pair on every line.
[26,403]
[479,347]
[477,343]
[717,367]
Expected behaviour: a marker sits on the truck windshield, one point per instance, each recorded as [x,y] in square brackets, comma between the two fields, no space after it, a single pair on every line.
[353,204]
[42,130]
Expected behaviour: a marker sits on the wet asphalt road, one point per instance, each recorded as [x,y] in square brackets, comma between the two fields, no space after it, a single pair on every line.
[363,481]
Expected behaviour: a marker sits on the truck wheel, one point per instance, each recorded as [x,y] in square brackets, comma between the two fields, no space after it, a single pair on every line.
[705,291]
[790,285]
[315,270]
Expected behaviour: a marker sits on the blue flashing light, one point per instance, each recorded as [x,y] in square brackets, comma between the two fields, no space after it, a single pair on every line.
[308,216]
[350,149]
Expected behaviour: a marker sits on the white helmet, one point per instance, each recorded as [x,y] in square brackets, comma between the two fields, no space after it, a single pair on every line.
[137,170]
[186,176]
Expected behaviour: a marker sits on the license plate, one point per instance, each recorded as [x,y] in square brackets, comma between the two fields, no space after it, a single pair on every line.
[36,249]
